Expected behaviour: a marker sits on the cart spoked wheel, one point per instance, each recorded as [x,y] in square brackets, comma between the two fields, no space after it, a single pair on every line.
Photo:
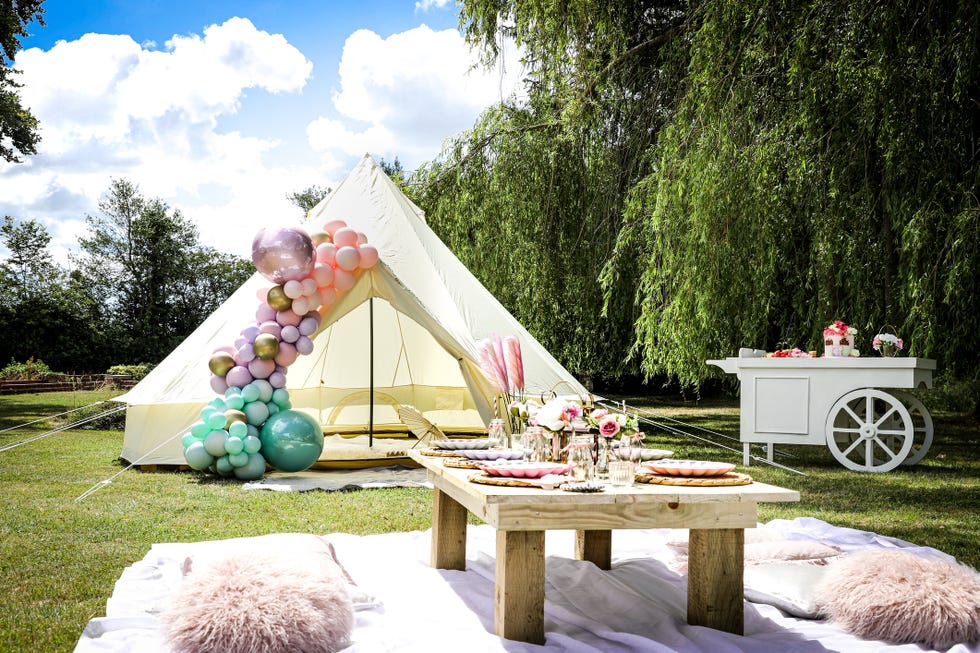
[869,430]
[921,426]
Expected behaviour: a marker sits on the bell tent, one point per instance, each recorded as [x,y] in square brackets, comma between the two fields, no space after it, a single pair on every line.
[405,335]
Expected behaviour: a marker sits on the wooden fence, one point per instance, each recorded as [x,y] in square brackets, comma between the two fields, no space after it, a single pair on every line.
[68,383]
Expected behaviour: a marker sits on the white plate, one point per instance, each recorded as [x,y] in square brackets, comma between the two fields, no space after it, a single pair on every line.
[460,444]
[646,454]
[492,454]
[521,469]
[688,467]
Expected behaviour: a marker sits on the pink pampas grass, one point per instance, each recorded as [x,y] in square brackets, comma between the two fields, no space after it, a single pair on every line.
[900,597]
[515,364]
[272,603]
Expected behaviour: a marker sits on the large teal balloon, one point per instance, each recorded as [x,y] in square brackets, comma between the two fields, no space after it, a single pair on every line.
[291,441]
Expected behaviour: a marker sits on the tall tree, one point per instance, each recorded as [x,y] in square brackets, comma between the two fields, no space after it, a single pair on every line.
[531,198]
[18,127]
[28,269]
[822,162]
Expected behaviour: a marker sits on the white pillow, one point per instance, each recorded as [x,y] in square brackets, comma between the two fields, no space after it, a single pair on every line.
[789,587]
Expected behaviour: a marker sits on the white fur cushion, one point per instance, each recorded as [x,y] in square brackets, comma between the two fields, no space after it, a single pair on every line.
[266,602]
[900,597]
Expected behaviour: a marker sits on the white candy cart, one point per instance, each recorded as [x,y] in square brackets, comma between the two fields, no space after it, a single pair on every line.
[853,405]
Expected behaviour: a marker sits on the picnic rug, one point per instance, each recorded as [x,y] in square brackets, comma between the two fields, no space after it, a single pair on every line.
[341,479]
[405,605]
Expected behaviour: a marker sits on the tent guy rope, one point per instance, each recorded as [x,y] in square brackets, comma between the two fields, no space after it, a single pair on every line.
[66,427]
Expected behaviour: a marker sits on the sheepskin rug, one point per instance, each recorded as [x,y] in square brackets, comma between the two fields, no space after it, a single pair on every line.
[900,597]
[267,603]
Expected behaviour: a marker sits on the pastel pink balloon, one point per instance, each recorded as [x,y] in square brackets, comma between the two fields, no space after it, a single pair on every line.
[304,345]
[283,254]
[287,354]
[292,289]
[343,280]
[322,275]
[218,384]
[348,258]
[308,326]
[328,296]
[301,305]
[325,253]
[239,376]
[240,342]
[332,226]
[287,317]
[345,237]
[261,368]
[262,294]
[250,332]
[227,349]
[309,285]
[290,333]
[272,327]
[245,354]
[361,238]
[277,379]
[369,256]
[264,313]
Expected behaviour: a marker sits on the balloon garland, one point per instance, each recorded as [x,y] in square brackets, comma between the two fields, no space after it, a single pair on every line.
[251,423]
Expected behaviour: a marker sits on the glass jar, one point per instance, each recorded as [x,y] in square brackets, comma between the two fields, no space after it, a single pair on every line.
[497,434]
[581,466]
[535,445]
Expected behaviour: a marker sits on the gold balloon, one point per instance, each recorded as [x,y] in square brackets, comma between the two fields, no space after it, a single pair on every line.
[220,363]
[232,416]
[277,299]
[266,346]
[320,237]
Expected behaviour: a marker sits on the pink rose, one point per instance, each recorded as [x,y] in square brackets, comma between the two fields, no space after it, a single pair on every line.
[608,426]
[598,413]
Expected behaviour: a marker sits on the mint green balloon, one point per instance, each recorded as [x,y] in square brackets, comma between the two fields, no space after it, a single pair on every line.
[200,429]
[252,444]
[281,397]
[250,393]
[217,420]
[253,469]
[235,401]
[218,404]
[188,439]
[256,413]
[238,429]
[265,389]
[234,445]
[291,441]
[198,457]
[224,466]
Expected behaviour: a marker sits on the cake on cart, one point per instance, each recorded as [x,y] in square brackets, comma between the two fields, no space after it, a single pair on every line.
[854,405]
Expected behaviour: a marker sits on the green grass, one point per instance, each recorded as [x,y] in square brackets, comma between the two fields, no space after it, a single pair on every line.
[59,558]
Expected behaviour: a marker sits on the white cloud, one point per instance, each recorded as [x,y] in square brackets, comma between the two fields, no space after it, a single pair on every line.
[425,5]
[109,108]
[406,93]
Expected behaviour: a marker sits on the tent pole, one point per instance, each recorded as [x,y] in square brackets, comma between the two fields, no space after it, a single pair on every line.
[371,373]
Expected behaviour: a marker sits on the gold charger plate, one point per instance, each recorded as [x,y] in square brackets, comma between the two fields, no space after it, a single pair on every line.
[460,463]
[731,478]
[445,453]
[509,481]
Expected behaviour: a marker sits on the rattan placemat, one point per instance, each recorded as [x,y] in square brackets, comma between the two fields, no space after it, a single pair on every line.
[438,452]
[509,481]
[731,478]
[460,463]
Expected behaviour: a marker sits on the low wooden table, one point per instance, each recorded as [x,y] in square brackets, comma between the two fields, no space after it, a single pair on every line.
[717,517]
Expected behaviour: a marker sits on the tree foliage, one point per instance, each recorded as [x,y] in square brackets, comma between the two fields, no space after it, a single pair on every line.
[822,163]
[531,198]
[309,197]
[18,126]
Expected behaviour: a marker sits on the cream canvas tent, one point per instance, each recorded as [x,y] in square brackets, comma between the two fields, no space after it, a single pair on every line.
[413,320]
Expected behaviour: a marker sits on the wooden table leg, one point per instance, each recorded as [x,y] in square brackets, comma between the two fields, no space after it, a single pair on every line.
[594,547]
[715,572]
[448,532]
[518,611]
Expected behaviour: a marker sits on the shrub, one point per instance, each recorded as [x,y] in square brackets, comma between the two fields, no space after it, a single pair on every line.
[32,370]
[137,371]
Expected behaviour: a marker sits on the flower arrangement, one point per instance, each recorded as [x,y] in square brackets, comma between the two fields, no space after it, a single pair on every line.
[610,424]
[557,414]
[839,328]
[888,344]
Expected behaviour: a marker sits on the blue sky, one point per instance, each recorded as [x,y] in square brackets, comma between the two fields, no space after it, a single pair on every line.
[222,108]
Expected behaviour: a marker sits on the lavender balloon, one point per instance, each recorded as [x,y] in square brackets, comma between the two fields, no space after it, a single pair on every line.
[283,254]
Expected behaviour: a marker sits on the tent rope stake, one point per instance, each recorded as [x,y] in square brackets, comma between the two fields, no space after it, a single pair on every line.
[66,427]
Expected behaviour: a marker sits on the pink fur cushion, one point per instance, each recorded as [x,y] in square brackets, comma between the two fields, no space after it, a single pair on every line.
[900,597]
[266,602]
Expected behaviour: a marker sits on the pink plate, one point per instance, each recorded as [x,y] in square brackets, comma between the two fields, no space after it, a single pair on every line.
[687,467]
[520,469]
[492,454]
[462,444]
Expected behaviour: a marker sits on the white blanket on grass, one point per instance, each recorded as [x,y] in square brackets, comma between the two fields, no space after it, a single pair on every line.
[341,479]
[639,605]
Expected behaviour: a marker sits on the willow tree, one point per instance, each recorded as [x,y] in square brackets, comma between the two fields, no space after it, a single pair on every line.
[531,198]
[822,162]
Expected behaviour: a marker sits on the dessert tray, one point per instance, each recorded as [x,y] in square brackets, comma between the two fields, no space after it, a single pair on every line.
[492,454]
[668,467]
[521,469]
[461,444]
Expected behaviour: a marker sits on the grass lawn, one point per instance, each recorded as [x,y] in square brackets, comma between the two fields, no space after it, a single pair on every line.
[60,557]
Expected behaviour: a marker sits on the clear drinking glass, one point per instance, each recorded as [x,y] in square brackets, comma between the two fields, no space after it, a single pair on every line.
[622,472]
[581,466]
[497,433]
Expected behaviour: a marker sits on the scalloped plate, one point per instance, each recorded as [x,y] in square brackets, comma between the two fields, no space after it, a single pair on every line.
[461,444]
[647,454]
[521,469]
[492,454]
[687,467]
